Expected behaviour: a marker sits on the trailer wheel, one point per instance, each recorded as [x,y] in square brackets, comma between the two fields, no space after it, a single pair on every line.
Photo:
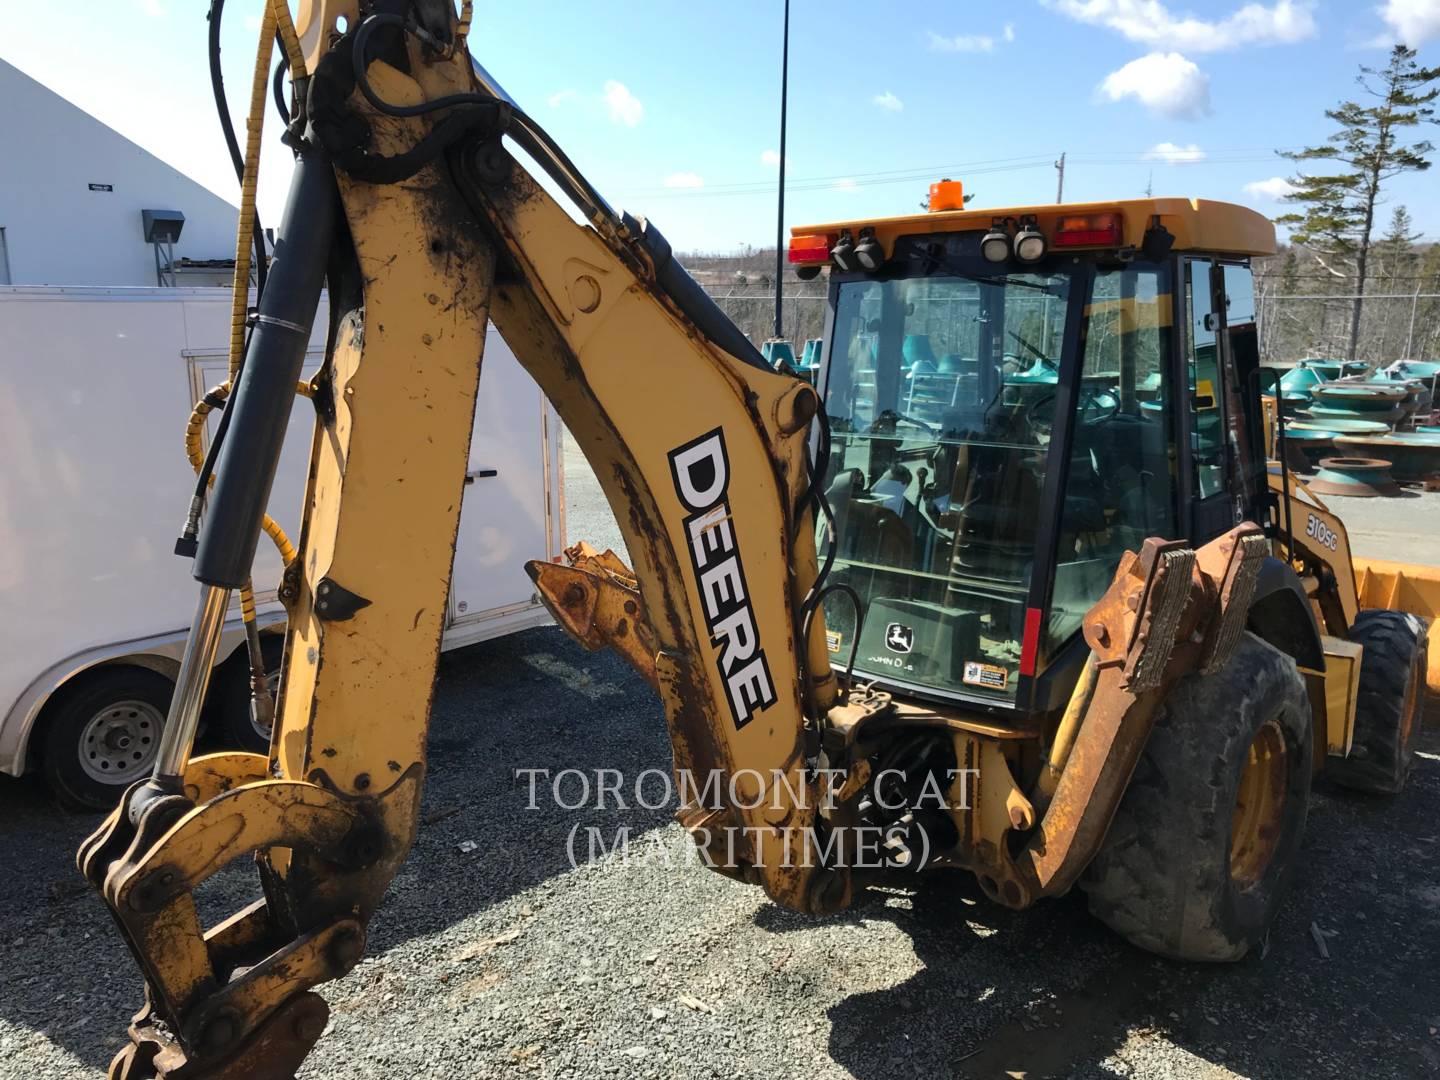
[237,727]
[102,734]
[1204,841]
[1391,697]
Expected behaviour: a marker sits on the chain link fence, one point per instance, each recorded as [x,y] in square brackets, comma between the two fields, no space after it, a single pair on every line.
[1393,326]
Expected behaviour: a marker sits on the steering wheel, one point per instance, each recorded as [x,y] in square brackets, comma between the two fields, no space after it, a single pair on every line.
[889,419]
[1097,406]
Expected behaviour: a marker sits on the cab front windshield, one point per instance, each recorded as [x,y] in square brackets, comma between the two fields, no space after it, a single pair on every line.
[941,393]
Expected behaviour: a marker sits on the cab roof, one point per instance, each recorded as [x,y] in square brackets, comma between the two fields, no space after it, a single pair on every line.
[1196,224]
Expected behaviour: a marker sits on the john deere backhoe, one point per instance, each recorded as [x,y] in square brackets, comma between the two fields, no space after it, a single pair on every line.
[1010,589]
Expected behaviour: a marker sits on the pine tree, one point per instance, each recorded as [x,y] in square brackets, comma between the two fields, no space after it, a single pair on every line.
[1338,219]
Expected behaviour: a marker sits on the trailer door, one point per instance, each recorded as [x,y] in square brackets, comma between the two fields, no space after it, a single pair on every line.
[504,519]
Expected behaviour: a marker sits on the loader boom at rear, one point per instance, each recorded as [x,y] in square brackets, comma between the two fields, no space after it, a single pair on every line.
[409,203]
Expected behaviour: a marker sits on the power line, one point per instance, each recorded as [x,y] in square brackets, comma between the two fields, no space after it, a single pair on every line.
[1237,155]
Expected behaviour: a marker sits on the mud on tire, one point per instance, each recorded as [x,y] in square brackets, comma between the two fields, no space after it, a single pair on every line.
[1166,878]
[1390,701]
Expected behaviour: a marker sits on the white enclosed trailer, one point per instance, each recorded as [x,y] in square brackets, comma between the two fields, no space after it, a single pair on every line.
[95,388]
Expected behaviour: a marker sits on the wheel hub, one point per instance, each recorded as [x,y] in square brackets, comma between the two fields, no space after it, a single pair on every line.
[1259,811]
[118,743]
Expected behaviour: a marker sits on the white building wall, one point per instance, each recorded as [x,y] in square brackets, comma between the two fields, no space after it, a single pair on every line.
[60,232]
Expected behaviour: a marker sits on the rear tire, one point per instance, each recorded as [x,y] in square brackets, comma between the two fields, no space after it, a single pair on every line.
[1389,704]
[102,733]
[1204,842]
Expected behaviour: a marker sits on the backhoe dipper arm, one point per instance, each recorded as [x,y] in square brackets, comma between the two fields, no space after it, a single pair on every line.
[700,449]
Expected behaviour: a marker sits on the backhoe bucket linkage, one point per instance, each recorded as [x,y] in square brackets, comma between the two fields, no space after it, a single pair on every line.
[233,1000]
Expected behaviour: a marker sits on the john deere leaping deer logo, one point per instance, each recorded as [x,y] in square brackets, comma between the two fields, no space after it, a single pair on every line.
[899,638]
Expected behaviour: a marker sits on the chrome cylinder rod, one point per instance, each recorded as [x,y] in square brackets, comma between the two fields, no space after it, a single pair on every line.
[200,648]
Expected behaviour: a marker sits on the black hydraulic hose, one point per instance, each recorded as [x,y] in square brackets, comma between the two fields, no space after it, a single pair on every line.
[259,408]
[360,59]
[207,469]
[217,87]
[841,587]
[277,87]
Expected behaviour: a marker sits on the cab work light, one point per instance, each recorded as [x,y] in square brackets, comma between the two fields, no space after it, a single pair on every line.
[1088,230]
[868,252]
[1029,243]
[995,244]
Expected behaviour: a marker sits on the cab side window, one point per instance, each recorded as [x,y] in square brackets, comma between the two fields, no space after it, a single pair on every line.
[1242,365]
[1207,388]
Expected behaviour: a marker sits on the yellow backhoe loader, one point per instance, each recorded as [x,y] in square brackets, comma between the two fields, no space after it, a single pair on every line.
[1008,589]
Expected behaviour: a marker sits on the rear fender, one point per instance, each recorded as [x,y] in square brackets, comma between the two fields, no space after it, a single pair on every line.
[1281,614]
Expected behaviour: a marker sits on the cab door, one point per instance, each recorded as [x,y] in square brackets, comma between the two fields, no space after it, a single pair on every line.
[1213,504]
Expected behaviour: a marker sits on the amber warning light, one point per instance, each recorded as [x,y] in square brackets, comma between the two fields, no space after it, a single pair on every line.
[947,194]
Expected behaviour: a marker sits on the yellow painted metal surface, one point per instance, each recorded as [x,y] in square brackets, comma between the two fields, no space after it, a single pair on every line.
[1196,224]
[1405,587]
[1342,691]
[1320,541]
[387,472]
[636,387]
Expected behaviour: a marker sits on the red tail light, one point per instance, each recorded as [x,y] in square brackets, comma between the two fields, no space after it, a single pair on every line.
[1030,643]
[814,248]
[1088,230]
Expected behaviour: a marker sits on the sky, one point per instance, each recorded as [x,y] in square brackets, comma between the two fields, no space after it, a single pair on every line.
[672,109]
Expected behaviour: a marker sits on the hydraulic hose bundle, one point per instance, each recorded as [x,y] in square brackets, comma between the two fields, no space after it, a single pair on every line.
[275,22]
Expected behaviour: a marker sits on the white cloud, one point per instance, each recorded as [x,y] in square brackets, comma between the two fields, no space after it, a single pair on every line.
[771,158]
[560,97]
[624,107]
[970,43]
[684,180]
[1152,24]
[888,101]
[1412,21]
[1166,83]
[1277,187]
[844,185]
[1009,32]
[1172,154]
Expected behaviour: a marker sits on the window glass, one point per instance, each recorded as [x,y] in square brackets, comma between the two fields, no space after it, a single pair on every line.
[1242,368]
[1207,400]
[1120,478]
[940,394]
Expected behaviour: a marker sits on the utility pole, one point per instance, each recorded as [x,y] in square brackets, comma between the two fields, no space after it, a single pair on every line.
[1060,190]
[780,209]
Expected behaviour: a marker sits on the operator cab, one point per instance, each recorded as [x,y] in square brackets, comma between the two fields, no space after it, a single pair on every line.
[1015,398]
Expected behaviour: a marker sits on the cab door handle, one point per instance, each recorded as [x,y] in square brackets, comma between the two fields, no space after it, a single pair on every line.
[480,474]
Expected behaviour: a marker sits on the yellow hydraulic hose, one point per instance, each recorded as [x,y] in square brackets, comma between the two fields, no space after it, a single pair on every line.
[462,28]
[244,235]
[195,451]
[289,40]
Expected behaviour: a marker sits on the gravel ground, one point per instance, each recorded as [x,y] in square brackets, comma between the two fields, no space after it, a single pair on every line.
[494,956]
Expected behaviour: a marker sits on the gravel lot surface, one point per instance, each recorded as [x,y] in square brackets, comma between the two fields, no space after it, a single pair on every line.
[493,956]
